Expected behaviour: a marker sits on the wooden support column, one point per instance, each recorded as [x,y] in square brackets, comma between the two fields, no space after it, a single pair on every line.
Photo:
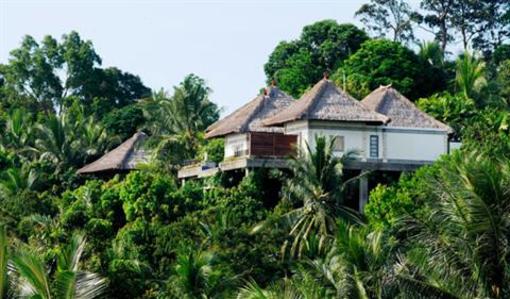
[363,193]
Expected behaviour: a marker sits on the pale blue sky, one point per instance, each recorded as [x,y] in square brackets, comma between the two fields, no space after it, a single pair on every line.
[226,42]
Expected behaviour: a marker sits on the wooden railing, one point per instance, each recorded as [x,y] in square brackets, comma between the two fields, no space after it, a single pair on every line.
[272,144]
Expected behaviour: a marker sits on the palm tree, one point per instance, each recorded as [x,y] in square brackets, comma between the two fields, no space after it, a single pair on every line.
[317,188]
[432,53]
[56,140]
[18,133]
[366,257]
[15,180]
[195,275]
[470,77]
[183,116]
[69,139]
[462,241]
[286,289]
[32,278]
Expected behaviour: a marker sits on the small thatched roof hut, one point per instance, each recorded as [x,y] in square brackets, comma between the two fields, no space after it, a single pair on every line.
[402,112]
[249,117]
[325,101]
[125,157]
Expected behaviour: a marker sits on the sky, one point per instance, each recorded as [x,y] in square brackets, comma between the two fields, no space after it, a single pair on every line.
[226,42]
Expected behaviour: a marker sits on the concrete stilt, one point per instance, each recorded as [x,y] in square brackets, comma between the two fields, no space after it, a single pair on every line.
[363,193]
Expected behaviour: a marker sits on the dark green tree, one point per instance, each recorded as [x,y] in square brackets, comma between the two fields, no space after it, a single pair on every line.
[383,62]
[54,74]
[322,46]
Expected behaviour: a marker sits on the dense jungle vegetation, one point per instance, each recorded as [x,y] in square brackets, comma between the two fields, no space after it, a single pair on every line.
[441,232]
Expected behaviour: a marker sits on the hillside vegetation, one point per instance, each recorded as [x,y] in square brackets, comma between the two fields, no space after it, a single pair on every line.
[440,232]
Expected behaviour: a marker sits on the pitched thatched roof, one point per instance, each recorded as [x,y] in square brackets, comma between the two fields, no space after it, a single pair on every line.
[249,117]
[402,112]
[325,101]
[123,157]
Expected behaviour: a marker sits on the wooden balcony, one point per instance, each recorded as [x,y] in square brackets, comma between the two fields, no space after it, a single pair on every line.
[268,145]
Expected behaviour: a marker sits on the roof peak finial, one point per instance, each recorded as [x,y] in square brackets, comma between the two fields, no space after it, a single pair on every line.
[326,75]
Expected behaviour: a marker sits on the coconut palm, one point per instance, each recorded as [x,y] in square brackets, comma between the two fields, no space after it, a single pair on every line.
[366,256]
[195,275]
[32,278]
[462,241]
[181,117]
[56,140]
[317,190]
[432,53]
[285,289]
[15,180]
[18,133]
[470,74]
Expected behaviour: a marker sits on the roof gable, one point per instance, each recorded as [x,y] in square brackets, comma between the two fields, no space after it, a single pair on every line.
[325,101]
[402,112]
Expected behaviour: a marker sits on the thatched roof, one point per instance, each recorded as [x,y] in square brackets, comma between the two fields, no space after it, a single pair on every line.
[124,157]
[325,101]
[402,112]
[249,117]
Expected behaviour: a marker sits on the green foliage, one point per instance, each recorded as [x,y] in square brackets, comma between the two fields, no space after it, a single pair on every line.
[178,121]
[382,62]
[470,75]
[489,132]
[322,46]
[388,204]
[503,79]
[214,149]
[34,72]
[461,234]
[4,256]
[454,110]
[124,122]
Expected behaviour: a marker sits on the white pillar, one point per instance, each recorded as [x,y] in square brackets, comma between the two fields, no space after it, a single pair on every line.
[363,193]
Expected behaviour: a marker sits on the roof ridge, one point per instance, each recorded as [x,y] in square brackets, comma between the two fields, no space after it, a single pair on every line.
[313,102]
[254,112]
[216,124]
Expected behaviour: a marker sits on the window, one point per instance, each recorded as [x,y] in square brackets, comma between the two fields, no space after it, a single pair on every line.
[374,146]
[238,151]
[338,143]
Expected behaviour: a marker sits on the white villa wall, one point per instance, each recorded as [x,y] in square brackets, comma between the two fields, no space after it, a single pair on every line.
[235,142]
[417,145]
[395,144]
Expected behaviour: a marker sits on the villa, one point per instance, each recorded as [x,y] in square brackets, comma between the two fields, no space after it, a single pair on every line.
[385,130]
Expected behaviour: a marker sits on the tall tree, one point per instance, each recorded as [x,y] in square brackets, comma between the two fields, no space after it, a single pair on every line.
[383,62]
[52,72]
[183,117]
[439,18]
[322,46]
[388,17]
[492,25]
